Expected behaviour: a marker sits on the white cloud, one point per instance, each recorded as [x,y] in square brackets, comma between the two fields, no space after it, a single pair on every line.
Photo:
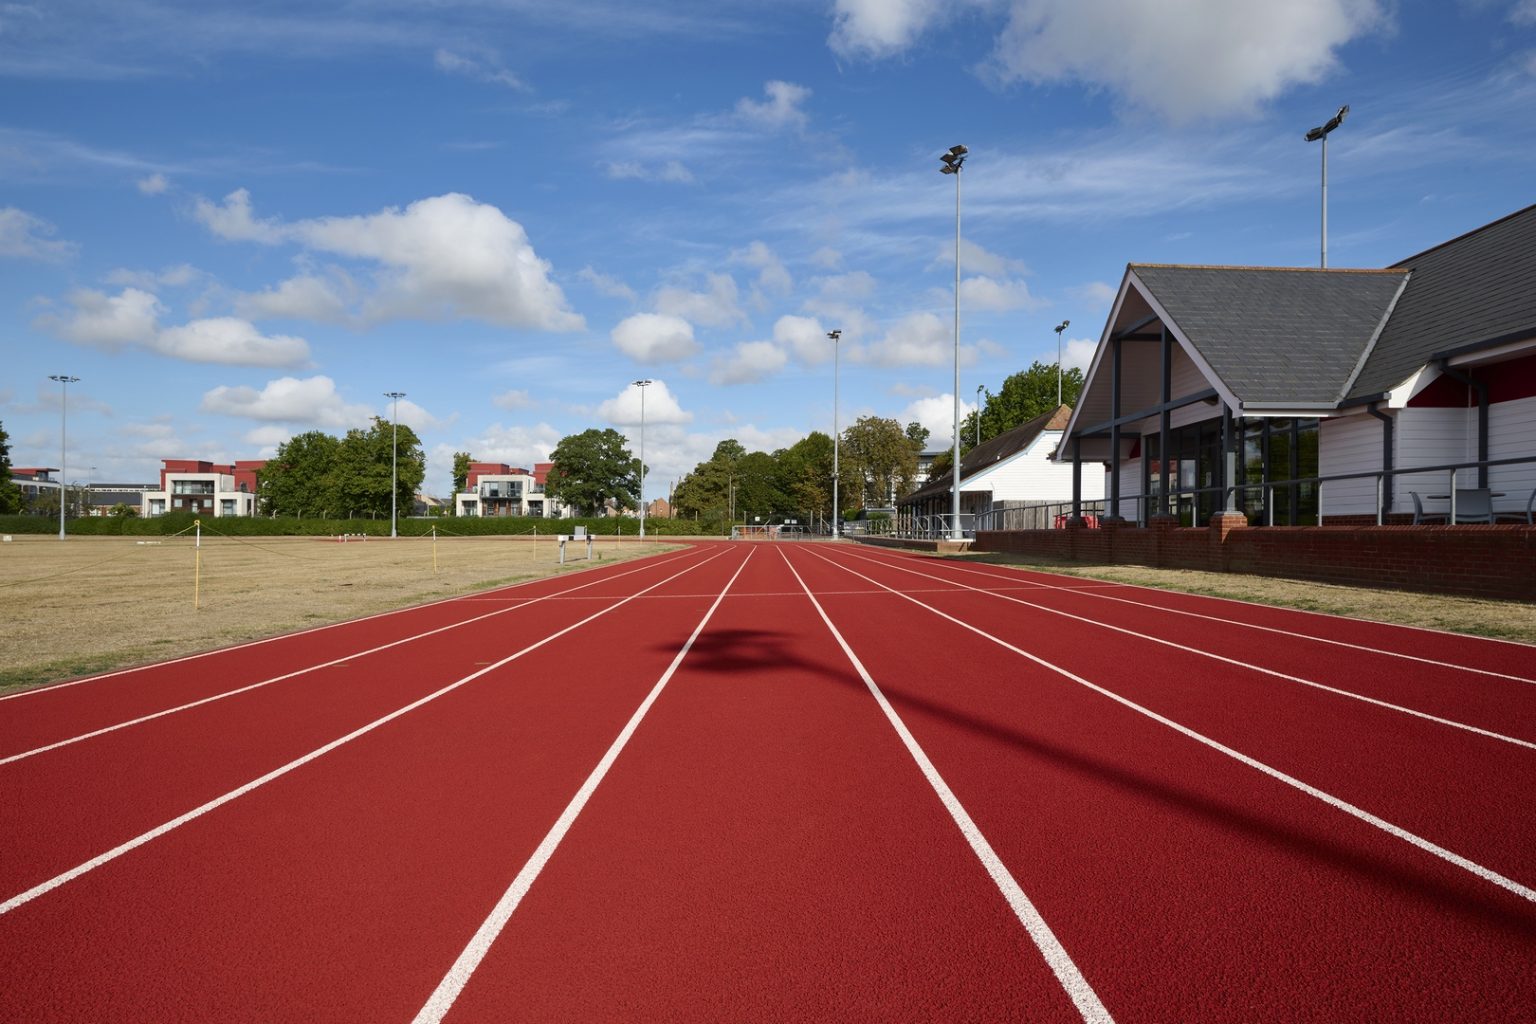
[109,322]
[780,110]
[917,339]
[805,337]
[606,285]
[519,445]
[1099,292]
[305,297]
[416,417]
[513,400]
[847,287]
[716,307]
[881,28]
[1079,352]
[992,295]
[25,237]
[1524,13]
[153,185]
[673,172]
[481,71]
[177,276]
[312,401]
[439,258]
[1193,60]
[231,341]
[655,338]
[661,408]
[827,258]
[748,361]
[772,276]
[937,413]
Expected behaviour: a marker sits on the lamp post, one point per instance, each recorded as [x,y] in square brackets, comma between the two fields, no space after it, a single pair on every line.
[953,161]
[837,515]
[1321,132]
[642,385]
[64,382]
[394,456]
[979,389]
[1059,328]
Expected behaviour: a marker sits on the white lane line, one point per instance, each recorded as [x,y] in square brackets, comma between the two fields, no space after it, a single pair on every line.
[1485,873]
[312,668]
[1349,694]
[56,687]
[1056,955]
[197,812]
[1088,592]
[447,991]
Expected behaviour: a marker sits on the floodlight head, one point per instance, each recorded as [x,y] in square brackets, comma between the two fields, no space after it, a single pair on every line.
[1322,130]
[1062,326]
[643,383]
[961,150]
[953,160]
[834,334]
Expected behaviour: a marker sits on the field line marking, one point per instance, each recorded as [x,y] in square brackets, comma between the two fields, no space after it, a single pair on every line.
[54,687]
[1088,592]
[464,966]
[303,671]
[1350,694]
[1485,873]
[276,773]
[1056,955]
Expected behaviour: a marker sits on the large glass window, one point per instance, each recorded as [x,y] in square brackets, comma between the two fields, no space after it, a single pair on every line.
[1194,458]
[1279,451]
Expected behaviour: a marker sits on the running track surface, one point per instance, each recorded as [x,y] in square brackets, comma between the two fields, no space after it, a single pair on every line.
[774,782]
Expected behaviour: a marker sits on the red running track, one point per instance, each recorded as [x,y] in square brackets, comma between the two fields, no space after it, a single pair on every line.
[770,782]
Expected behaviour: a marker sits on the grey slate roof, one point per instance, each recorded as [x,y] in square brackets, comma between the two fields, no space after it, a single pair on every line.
[1277,334]
[1470,289]
[994,450]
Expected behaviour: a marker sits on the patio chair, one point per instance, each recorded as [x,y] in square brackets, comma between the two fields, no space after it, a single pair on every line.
[1420,516]
[1474,505]
[1514,515]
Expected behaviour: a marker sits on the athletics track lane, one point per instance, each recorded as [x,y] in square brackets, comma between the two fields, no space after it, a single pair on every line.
[765,849]
[338,891]
[34,718]
[1405,769]
[1186,885]
[92,795]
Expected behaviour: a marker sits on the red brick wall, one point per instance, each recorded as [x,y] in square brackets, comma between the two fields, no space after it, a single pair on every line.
[1479,561]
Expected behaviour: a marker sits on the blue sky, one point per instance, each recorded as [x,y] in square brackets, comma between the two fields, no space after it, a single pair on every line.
[237,222]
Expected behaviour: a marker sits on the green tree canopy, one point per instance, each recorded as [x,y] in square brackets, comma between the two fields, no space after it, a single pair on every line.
[461,461]
[591,468]
[10,494]
[1024,395]
[315,474]
[805,474]
[879,457]
[708,491]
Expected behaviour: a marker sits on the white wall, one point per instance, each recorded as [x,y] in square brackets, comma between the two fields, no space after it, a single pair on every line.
[1352,444]
[1432,437]
[1031,476]
[1512,435]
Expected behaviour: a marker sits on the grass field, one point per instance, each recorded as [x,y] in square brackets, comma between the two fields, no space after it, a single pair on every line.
[89,604]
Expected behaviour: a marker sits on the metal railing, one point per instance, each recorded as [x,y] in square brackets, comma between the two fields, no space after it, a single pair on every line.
[1260,504]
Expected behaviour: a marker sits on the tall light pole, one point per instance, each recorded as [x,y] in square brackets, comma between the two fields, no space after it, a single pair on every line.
[953,161]
[979,389]
[1321,132]
[642,385]
[394,456]
[837,514]
[64,382]
[1059,328]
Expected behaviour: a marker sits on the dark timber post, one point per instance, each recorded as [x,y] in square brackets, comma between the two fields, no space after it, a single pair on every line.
[1114,429]
[1163,426]
[1077,478]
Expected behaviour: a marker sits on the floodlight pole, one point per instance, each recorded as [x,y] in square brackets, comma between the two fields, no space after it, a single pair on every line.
[837,514]
[979,389]
[64,382]
[394,457]
[953,161]
[1059,328]
[642,385]
[1321,133]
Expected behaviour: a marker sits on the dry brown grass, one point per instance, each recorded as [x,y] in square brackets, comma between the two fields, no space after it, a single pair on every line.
[90,604]
[1510,620]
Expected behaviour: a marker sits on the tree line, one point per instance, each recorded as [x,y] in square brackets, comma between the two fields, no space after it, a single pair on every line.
[315,475]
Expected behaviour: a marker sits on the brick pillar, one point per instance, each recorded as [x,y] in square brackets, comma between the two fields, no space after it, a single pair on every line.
[1223,523]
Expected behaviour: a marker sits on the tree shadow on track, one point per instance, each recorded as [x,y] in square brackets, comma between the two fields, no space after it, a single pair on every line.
[727,651]
[1490,905]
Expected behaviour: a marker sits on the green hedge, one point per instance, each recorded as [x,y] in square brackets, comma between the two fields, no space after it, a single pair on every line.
[244,526]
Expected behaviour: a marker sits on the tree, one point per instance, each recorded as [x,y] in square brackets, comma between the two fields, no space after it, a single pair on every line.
[918,435]
[1024,395]
[298,480]
[10,494]
[805,474]
[364,463]
[123,510]
[591,469]
[461,461]
[879,457]
[707,492]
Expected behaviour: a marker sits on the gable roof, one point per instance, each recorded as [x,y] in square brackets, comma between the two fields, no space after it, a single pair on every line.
[1277,334]
[1475,288]
[994,450]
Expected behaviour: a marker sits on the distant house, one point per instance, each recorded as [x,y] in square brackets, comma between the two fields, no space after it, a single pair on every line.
[497,489]
[1011,470]
[35,481]
[204,488]
[1218,388]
